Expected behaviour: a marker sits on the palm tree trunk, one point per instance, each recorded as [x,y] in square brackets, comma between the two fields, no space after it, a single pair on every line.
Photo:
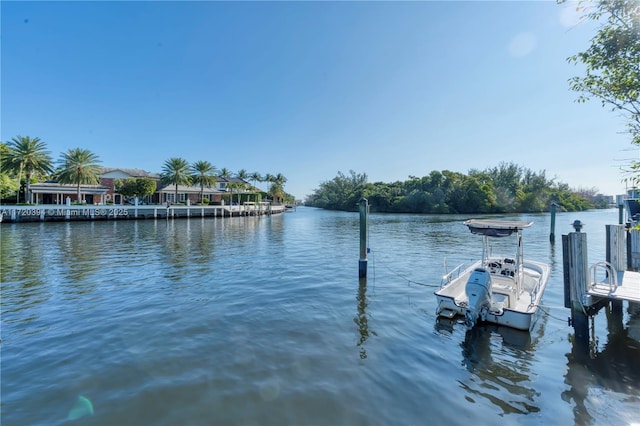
[78,194]
[19,185]
[27,194]
[254,188]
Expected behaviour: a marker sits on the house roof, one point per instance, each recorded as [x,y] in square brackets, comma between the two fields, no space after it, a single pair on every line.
[130,172]
[189,189]
[58,188]
[231,180]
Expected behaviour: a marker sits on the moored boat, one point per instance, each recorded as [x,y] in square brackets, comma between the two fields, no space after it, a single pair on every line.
[499,289]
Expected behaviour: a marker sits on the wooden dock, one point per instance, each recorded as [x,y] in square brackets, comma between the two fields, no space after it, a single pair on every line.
[608,283]
[625,288]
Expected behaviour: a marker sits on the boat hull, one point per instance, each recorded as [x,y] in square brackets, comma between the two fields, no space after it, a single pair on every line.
[519,311]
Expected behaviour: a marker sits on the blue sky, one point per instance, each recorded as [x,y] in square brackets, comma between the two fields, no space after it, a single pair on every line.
[307,89]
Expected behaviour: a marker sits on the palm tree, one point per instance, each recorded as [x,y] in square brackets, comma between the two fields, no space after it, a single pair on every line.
[280,179]
[78,166]
[277,189]
[225,174]
[203,174]
[175,171]
[242,175]
[255,177]
[233,186]
[241,186]
[29,156]
[270,179]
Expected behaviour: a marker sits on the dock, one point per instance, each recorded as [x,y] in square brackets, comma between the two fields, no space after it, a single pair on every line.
[625,287]
[606,284]
[57,213]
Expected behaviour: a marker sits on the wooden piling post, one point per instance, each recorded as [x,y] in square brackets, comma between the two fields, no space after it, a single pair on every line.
[552,234]
[362,263]
[633,249]
[620,214]
[615,246]
[576,276]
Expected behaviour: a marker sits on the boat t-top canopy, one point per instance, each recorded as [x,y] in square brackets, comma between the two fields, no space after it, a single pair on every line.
[496,228]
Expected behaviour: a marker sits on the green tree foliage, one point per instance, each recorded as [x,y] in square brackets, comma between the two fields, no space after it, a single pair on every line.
[242,186]
[132,187]
[8,186]
[238,187]
[612,62]
[276,191]
[8,183]
[78,166]
[255,177]
[146,186]
[242,174]
[29,156]
[342,192]
[203,174]
[269,178]
[507,188]
[176,171]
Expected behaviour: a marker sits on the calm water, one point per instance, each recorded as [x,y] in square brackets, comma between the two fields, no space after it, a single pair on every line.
[263,321]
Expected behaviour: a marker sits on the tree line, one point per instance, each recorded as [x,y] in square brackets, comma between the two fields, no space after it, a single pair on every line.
[611,75]
[611,66]
[25,160]
[506,188]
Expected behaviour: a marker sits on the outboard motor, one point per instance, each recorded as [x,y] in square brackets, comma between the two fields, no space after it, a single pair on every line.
[478,290]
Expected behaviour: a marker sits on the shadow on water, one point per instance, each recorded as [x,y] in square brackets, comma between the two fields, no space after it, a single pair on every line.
[615,368]
[499,360]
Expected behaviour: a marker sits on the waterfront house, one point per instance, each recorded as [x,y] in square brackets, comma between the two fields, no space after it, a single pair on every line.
[186,194]
[109,175]
[51,192]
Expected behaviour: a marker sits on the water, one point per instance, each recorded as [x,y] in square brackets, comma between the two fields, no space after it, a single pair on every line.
[263,321]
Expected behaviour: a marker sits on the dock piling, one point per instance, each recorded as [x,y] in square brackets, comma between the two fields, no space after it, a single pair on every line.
[552,234]
[576,270]
[362,263]
[616,246]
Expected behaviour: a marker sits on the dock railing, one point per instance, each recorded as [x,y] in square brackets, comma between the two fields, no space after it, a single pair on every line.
[603,272]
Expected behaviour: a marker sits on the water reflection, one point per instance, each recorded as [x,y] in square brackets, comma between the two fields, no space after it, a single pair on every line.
[22,274]
[499,359]
[82,249]
[615,368]
[187,244]
[362,319]
[20,260]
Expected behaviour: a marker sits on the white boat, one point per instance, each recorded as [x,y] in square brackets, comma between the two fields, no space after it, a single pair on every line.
[498,289]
